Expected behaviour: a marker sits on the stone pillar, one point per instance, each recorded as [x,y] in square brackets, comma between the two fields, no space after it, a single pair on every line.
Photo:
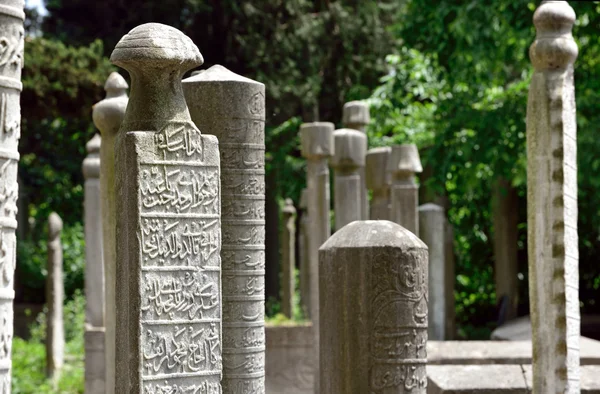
[288,258]
[95,370]
[233,108]
[55,331]
[168,332]
[378,181]
[552,238]
[304,252]
[403,164]
[373,284]
[355,115]
[432,232]
[450,280]
[11,63]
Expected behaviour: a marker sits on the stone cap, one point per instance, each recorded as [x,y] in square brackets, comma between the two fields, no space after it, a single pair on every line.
[376,164]
[115,85]
[303,199]
[430,207]
[108,114]
[91,164]
[350,149]
[373,234]
[554,47]
[404,159]
[288,208]
[317,139]
[218,73]
[55,225]
[356,115]
[93,145]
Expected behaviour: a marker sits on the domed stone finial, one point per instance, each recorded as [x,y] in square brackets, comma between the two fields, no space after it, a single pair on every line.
[115,85]
[288,208]
[554,47]
[55,226]
[108,113]
[91,164]
[93,145]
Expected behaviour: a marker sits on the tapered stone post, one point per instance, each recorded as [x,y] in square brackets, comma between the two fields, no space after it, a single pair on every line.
[552,202]
[233,108]
[168,332]
[355,115]
[108,115]
[450,280]
[95,370]
[373,285]
[378,181]
[288,258]
[11,63]
[304,252]
[55,330]
[403,164]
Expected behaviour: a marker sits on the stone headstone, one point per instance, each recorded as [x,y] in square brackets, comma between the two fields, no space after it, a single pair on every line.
[348,161]
[304,251]
[552,239]
[403,164]
[288,258]
[233,108]
[378,181]
[11,63]
[95,370]
[450,280]
[373,285]
[55,330]
[168,332]
[108,115]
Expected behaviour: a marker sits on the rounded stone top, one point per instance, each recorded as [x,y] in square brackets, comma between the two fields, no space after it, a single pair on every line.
[350,148]
[404,159]
[317,139]
[55,225]
[554,47]
[156,44]
[108,114]
[303,199]
[218,73]
[93,145]
[373,234]
[115,85]
[376,168]
[356,113]
[430,207]
[288,208]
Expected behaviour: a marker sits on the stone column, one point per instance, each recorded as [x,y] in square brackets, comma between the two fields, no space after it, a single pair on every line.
[450,281]
[355,115]
[233,108]
[288,258]
[107,116]
[95,369]
[378,181]
[11,63]
[304,252]
[168,271]
[432,232]
[55,331]
[552,237]
[403,164]
[373,284]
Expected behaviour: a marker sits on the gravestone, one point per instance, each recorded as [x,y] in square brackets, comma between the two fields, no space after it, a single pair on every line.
[303,251]
[95,370]
[233,108]
[355,115]
[373,285]
[55,331]
[552,238]
[450,280]
[347,161]
[11,63]
[107,115]
[403,164]
[378,181]
[168,332]
[288,258]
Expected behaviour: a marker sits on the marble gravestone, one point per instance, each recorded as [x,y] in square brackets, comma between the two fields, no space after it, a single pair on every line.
[378,181]
[288,258]
[168,238]
[55,330]
[403,164]
[303,251]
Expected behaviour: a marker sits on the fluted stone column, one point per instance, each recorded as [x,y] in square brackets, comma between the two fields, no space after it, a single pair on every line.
[373,284]
[95,369]
[304,251]
[11,63]
[233,109]
[552,202]
[107,115]
[355,115]
[55,330]
[378,181]
[288,258]
[403,164]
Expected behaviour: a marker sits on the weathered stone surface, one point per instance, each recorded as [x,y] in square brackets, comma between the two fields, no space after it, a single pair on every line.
[168,227]
[55,330]
[11,63]
[515,330]
[373,285]
[348,159]
[403,164]
[590,378]
[552,237]
[233,108]
[304,251]
[450,280]
[378,181]
[107,115]
[476,379]
[288,258]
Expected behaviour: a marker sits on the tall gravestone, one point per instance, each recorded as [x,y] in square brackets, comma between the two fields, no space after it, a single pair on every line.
[355,115]
[378,181]
[450,280]
[288,258]
[95,369]
[233,108]
[348,162]
[168,332]
[55,330]
[404,163]
[303,251]
[552,237]
[373,285]
[108,115]
[11,63]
